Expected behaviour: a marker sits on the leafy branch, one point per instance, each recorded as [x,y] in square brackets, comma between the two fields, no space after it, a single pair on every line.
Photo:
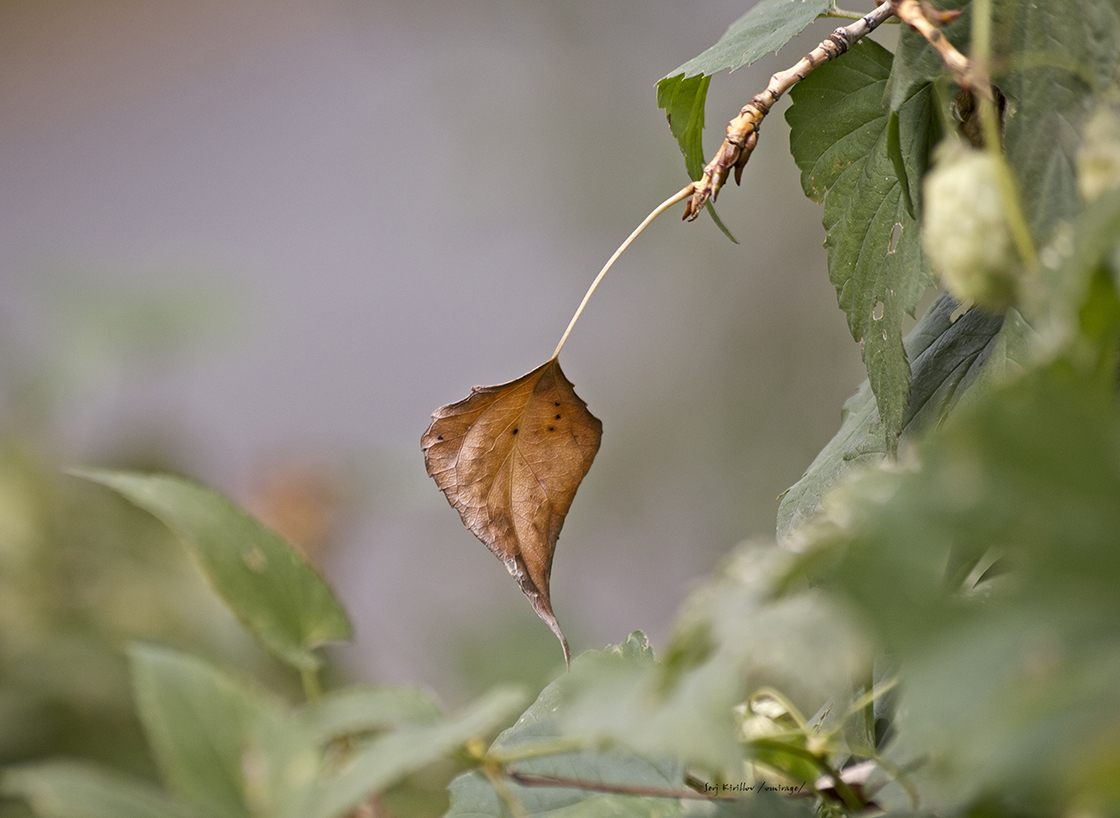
[743,130]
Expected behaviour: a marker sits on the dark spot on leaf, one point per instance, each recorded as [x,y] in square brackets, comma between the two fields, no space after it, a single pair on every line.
[557,403]
[557,417]
[552,428]
[439,437]
[515,431]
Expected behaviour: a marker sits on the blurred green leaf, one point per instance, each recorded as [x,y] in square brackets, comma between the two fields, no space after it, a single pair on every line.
[764,29]
[734,637]
[271,587]
[838,137]
[356,710]
[199,722]
[77,789]
[1000,678]
[385,760]
[1052,59]
[946,357]
[538,729]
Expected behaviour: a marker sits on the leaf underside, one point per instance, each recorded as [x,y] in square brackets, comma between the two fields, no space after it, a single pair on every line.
[510,458]
[948,357]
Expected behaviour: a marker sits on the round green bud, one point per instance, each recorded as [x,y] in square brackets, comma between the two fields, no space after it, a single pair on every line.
[965,231]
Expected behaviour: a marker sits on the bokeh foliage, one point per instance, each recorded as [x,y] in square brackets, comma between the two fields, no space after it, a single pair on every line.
[936,627]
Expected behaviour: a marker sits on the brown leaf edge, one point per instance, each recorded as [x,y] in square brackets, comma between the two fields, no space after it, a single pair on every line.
[509,458]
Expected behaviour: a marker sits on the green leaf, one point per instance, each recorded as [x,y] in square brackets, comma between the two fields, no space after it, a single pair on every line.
[357,710]
[683,102]
[999,678]
[839,139]
[916,63]
[1052,59]
[385,760]
[681,93]
[764,29]
[199,722]
[533,739]
[271,587]
[948,357]
[78,789]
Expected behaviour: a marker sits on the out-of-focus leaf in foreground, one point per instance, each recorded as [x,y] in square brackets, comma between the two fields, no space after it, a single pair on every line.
[472,794]
[78,789]
[271,587]
[992,573]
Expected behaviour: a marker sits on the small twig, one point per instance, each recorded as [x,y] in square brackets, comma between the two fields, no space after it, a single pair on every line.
[927,21]
[531,780]
[742,131]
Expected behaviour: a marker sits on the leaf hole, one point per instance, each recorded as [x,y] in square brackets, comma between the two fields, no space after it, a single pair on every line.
[896,236]
[877,311]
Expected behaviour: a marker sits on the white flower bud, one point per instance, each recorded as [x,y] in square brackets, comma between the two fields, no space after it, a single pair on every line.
[965,232]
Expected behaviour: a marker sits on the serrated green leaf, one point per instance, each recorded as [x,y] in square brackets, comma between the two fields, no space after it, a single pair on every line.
[389,758]
[681,93]
[269,585]
[947,358]
[78,789]
[199,722]
[683,102]
[762,30]
[838,136]
[682,99]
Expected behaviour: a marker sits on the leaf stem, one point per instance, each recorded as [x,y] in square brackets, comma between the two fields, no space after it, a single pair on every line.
[993,142]
[312,688]
[680,196]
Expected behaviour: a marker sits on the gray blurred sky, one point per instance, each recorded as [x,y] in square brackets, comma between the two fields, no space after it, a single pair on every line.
[385,204]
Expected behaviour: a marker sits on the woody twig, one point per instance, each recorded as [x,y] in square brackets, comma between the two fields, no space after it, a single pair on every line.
[742,131]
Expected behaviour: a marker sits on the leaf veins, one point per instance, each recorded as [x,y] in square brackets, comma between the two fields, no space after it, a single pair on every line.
[510,458]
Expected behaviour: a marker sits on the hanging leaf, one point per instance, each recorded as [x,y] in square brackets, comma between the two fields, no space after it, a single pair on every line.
[510,458]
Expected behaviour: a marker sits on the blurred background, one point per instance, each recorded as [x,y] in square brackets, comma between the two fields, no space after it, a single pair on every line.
[260,242]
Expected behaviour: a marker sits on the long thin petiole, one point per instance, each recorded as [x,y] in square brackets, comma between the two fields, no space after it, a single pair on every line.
[683,194]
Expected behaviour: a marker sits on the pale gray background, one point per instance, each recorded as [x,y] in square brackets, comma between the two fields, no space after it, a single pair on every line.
[381,204]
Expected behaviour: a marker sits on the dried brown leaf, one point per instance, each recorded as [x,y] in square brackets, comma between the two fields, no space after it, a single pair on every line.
[510,458]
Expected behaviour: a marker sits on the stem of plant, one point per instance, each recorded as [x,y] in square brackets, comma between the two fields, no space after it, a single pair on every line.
[312,688]
[683,194]
[989,123]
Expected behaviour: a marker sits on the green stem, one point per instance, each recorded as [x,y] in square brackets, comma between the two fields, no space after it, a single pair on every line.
[535,749]
[993,140]
[312,688]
